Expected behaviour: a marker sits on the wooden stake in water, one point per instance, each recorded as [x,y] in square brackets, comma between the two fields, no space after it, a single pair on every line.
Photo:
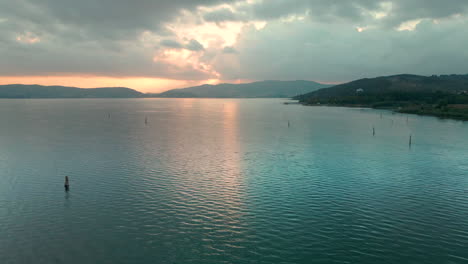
[410,140]
[289,124]
[373,131]
[67,184]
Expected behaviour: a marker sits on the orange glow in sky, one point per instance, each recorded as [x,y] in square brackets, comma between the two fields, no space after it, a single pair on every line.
[142,84]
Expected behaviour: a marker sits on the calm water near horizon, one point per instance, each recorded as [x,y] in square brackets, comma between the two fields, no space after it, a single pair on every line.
[227,181]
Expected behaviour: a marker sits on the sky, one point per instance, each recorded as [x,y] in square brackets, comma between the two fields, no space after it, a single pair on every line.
[156,45]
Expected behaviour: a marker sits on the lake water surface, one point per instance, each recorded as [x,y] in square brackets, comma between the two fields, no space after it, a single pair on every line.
[228,181]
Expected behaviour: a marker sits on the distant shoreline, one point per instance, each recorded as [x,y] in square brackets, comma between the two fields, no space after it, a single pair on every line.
[414,110]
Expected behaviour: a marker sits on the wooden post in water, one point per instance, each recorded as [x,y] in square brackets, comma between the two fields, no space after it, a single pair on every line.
[289,124]
[67,184]
[409,141]
[373,131]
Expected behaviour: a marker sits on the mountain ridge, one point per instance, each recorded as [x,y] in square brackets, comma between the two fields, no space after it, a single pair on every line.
[57,91]
[260,89]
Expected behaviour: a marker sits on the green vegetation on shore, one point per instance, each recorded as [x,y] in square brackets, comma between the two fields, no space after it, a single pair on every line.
[444,96]
[453,111]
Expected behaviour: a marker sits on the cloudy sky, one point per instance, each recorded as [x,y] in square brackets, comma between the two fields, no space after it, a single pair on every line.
[155,45]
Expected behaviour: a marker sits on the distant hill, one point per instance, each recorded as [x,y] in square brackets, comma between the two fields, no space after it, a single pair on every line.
[443,95]
[39,91]
[264,89]
[384,86]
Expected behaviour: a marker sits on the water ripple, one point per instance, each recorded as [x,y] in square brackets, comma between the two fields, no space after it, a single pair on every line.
[225,181]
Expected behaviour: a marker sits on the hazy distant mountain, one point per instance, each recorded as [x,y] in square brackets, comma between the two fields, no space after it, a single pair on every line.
[264,89]
[396,84]
[38,91]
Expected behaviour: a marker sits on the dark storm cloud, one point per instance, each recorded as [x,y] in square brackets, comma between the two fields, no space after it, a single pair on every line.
[320,9]
[194,45]
[171,44]
[223,14]
[273,9]
[417,9]
[335,10]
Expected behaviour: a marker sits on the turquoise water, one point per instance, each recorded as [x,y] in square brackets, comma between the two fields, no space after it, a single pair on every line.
[227,181]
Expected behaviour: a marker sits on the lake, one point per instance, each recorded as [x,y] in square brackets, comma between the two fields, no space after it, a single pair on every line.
[229,181]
